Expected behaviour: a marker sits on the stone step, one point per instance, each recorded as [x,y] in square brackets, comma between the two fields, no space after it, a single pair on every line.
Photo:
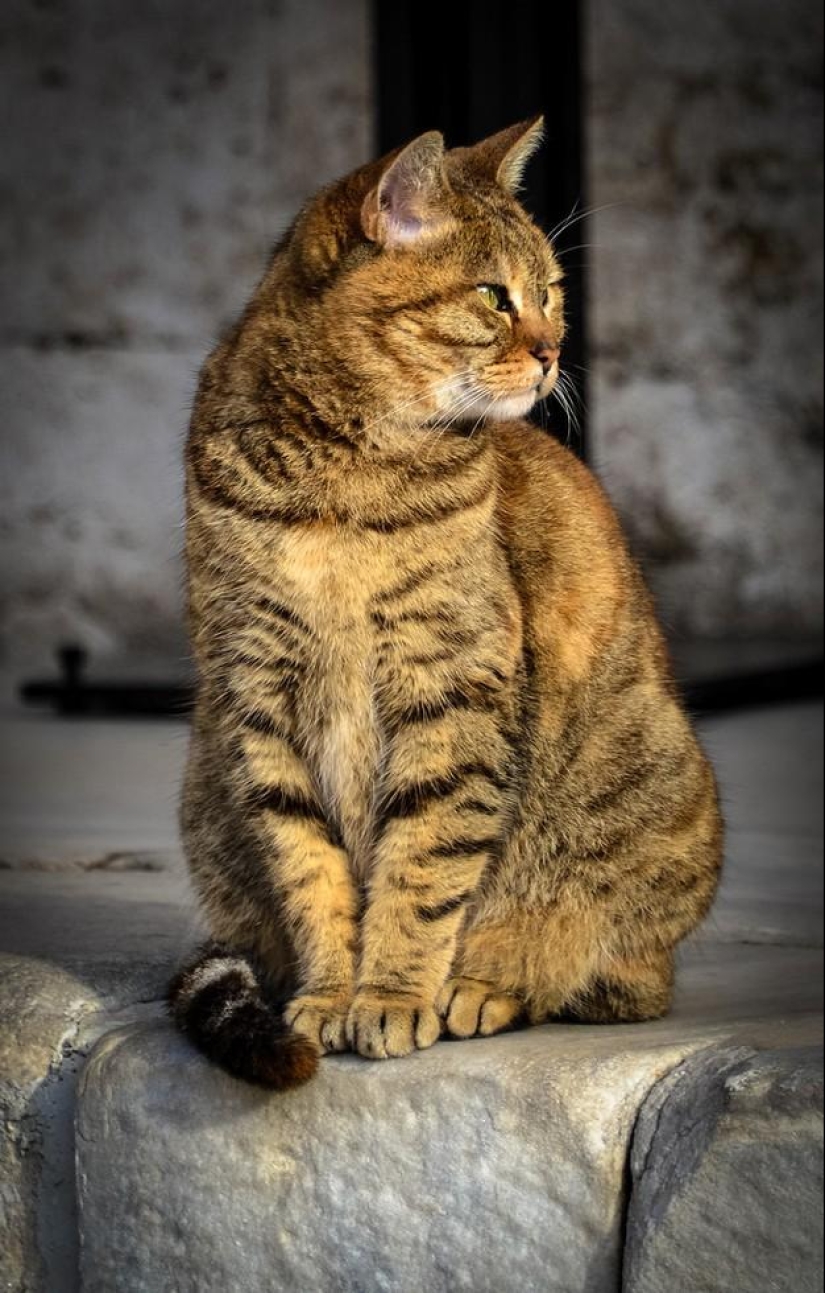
[166,1142]
[486,1165]
[726,1176]
[81,953]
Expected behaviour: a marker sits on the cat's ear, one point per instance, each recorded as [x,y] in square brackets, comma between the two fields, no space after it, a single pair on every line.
[504,157]
[410,201]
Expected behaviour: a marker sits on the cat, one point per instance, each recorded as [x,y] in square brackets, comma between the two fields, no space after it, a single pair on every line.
[440,779]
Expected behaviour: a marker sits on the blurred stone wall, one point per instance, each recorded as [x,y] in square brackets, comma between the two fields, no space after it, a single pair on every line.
[706,307]
[151,154]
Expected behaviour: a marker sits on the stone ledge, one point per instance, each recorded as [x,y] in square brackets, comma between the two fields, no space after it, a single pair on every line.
[82,952]
[486,1165]
[533,1093]
[50,1018]
[392,1176]
[40,1012]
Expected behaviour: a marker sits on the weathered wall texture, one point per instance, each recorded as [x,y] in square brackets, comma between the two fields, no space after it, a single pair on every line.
[151,155]
[706,301]
[153,152]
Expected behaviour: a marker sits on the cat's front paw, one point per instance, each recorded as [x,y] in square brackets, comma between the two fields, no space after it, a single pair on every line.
[321,1019]
[381,1028]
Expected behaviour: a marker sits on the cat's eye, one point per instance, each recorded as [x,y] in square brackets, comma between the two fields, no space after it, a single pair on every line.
[496,297]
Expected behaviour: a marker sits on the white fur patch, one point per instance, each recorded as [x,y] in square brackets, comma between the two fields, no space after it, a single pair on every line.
[213,970]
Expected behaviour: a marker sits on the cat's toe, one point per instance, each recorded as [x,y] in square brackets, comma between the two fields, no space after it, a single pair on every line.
[499,1012]
[381,1029]
[322,1020]
[472,1008]
[334,1033]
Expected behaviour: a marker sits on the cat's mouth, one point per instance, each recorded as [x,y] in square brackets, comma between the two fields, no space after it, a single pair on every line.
[518,403]
[548,383]
[470,401]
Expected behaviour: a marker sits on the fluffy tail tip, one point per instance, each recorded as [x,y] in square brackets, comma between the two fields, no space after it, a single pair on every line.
[217,1002]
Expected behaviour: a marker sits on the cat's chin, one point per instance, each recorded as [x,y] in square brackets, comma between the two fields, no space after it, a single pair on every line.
[505,408]
[510,407]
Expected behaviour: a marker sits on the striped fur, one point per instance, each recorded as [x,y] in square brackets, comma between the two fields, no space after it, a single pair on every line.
[439,778]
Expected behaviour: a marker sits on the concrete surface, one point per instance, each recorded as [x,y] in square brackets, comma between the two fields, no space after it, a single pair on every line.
[409,1164]
[770,768]
[84,794]
[705,172]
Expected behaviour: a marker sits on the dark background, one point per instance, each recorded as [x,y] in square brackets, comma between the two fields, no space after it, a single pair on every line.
[446,84]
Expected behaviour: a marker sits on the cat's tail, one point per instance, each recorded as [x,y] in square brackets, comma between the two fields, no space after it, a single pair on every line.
[218,1002]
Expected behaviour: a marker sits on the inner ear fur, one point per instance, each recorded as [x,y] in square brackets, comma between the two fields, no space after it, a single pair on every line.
[411,200]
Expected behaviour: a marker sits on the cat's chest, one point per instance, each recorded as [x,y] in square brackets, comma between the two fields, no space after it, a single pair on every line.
[331,588]
[371,604]
[330,577]
[330,582]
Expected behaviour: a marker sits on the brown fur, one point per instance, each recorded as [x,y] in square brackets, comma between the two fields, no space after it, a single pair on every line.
[439,779]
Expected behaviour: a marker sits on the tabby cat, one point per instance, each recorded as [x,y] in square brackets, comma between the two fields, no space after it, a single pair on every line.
[440,781]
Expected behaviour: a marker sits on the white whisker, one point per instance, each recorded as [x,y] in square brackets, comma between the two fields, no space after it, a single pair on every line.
[467,398]
[576,216]
[582,246]
[563,392]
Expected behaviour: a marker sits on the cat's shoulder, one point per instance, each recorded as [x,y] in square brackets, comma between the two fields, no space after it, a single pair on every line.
[563,533]
[537,471]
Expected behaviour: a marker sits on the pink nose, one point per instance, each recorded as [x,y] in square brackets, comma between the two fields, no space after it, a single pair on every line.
[547,353]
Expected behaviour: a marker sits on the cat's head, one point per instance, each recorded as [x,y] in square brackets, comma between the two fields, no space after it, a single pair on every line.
[431,286]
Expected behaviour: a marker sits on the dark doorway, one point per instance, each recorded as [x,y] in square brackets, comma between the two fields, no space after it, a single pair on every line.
[470,69]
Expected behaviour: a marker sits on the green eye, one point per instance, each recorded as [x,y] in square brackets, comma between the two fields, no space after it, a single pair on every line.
[496,297]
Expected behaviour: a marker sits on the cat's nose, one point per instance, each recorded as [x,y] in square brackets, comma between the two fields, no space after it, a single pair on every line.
[547,353]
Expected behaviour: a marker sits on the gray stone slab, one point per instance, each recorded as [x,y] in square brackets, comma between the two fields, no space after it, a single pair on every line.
[79,952]
[727,1177]
[481,1167]
[49,1017]
[39,1010]
[488,1165]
